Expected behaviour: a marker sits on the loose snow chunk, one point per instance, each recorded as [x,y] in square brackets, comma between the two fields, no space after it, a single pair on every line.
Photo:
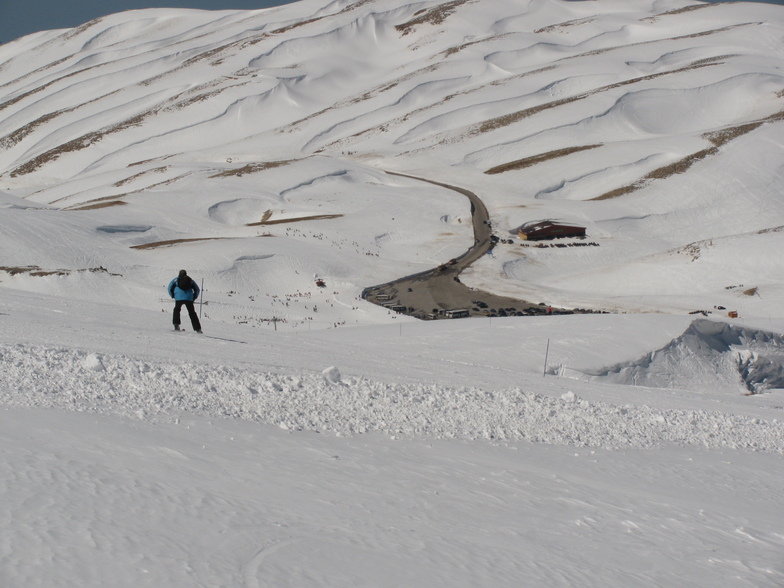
[332,375]
[94,363]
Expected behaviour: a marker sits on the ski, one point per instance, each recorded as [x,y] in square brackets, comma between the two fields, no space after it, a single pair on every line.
[224,339]
[211,336]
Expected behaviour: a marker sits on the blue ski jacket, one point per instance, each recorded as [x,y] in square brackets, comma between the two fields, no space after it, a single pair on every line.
[178,294]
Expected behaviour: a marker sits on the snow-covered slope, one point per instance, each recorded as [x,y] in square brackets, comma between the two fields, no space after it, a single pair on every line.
[434,454]
[641,447]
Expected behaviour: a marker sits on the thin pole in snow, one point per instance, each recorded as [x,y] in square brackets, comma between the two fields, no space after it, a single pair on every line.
[201,298]
[546,355]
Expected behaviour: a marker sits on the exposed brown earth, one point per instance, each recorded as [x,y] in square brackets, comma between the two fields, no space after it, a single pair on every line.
[435,16]
[282,221]
[564,25]
[717,138]
[177,102]
[250,168]
[172,242]
[36,271]
[97,205]
[675,11]
[540,158]
[513,117]
[130,179]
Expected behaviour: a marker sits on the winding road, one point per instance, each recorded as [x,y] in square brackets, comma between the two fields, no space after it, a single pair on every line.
[429,293]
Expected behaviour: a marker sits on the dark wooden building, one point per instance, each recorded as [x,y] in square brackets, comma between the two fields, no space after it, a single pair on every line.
[549,229]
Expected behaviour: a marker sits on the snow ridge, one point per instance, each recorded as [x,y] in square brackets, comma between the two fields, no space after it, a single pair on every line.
[160,390]
[722,354]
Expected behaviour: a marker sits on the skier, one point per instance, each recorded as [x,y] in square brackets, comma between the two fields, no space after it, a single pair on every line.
[184,291]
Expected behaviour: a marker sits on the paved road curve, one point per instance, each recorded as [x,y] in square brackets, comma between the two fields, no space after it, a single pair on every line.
[428,294]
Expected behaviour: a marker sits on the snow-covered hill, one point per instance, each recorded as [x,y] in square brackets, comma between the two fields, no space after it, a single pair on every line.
[263,150]
[657,125]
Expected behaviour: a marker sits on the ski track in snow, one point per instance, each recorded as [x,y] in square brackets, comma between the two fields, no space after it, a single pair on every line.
[39,376]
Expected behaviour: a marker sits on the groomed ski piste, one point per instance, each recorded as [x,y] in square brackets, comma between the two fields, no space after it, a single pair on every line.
[310,438]
[431,454]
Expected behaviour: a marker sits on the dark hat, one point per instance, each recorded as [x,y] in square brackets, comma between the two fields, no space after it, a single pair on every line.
[183,273]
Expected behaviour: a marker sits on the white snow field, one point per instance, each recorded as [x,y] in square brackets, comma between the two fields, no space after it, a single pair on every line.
[310,438]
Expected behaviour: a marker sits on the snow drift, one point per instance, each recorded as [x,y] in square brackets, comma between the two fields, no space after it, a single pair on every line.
[710,355]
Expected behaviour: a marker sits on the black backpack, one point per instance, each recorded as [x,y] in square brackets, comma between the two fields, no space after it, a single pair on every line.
[184,283]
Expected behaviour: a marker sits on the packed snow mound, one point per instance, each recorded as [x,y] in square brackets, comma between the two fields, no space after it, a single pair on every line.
[709,355]
[147,388]
[240,211]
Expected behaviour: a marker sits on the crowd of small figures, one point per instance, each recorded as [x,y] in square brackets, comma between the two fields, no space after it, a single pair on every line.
[560,245]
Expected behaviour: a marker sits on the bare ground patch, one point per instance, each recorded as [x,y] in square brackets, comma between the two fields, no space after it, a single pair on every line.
[251,168]
[41,69]
[403,118]
[38,89]
[130,179]
[565,25]
[675,11]
[618,192]
[16,136]
[172,242]
[77,144]
[717,138]
[434,16]
[640,43]
[308,21]
[95,206]
[176,102]
[361,97]
[19,134]
[38,272]
[281,221]
[217,54]
[536,159]
[113,199]
[513,117]
[459,48]
[677,167]
[372,93]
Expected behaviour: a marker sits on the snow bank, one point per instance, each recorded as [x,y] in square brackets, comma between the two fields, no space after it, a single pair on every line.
[328,402]
[709,354]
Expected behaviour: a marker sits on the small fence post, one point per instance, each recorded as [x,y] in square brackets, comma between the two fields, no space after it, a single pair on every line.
[546,355]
